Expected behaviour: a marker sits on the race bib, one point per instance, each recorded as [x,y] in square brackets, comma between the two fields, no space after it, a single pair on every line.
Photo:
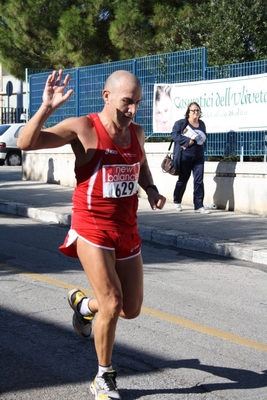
[120,180]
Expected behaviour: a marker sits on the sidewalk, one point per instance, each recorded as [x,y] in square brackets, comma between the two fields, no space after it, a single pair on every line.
[229,234]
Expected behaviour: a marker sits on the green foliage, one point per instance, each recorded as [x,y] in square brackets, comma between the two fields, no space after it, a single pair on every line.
[44,34]
[83,36]
[234,31]
[26,37]
[131,31]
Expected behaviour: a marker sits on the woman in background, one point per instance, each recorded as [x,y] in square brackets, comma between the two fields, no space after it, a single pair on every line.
[189,135]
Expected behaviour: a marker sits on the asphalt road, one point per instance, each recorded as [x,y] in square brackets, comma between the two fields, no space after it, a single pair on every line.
[201,334]
[8,174]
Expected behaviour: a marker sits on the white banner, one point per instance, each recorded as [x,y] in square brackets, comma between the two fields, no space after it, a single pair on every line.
[234,104]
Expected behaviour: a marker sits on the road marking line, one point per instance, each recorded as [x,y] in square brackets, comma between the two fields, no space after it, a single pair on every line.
[45,279]
[230,337]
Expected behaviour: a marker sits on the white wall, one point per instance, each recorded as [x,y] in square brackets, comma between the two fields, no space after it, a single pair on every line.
[231,186]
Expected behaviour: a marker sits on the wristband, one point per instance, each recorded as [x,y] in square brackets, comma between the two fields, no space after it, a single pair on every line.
[153,187]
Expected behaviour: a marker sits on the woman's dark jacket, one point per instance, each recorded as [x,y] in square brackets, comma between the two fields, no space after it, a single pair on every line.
[181,140]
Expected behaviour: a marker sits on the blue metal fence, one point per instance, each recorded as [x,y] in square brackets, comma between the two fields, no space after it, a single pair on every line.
[88,83]
[237,143]
[236,70]
[178,67]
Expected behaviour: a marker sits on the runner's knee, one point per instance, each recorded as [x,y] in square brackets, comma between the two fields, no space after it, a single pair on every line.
[131,312]
[111,306]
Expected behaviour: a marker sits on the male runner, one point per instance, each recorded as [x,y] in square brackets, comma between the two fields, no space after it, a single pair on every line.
[110,163]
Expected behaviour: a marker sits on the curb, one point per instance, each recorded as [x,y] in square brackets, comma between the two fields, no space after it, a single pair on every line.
[204,244]
[169,238]
[40,214]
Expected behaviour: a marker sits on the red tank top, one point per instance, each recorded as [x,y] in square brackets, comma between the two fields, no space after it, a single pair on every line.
[106,193]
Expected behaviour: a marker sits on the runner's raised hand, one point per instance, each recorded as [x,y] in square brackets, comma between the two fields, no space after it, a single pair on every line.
[54,96]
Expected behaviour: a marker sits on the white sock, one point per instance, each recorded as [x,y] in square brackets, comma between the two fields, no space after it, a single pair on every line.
[102,370]
[84,309]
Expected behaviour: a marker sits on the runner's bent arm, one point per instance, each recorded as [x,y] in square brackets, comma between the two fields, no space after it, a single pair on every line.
[155,199]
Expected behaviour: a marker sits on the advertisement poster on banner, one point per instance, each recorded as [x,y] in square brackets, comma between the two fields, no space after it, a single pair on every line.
[234,104]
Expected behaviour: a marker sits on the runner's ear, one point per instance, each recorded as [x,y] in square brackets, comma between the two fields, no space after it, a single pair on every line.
[105,95]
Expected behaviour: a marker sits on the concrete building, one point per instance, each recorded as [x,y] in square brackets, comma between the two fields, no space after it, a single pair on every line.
[18,97]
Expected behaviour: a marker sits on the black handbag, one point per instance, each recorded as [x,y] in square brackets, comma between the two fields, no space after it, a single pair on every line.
[167,164]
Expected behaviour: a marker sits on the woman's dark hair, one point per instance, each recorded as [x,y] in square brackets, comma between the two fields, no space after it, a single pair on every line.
[188,109]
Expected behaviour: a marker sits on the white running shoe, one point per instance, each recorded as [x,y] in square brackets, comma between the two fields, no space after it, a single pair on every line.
[178,207]
[202,210]
[105,387]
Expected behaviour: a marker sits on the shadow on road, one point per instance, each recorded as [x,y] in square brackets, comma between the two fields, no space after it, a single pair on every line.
[38,354]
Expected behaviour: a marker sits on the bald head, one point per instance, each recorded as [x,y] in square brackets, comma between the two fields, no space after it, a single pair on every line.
[119,78]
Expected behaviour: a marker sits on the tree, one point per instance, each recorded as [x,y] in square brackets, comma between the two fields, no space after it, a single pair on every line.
[142,28]
[233,31]
[83,37]
[44,34]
